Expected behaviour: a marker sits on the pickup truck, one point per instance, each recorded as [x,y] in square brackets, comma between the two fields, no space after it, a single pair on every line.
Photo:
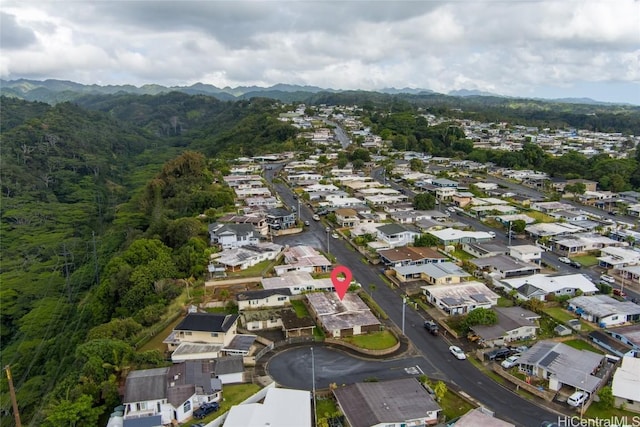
[431,326]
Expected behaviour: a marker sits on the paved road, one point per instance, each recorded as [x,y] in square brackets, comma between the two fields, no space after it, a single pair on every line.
[438,362]
[292,368]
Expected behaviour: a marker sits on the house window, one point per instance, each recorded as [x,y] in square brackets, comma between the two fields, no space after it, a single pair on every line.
[282,298]
[186,407]
[214,334]
[188,333]
[614,317]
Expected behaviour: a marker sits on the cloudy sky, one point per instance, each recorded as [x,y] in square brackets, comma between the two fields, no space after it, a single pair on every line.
[546,48]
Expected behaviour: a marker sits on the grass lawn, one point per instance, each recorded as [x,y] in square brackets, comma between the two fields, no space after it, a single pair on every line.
[596,411]
[539,216]
[299,308]
[326,407]
[373,305]
[582,345]
[256,270]
[505,302]
[373,341]
[232,394]
[562,316]
[462,255]
[586,260]
[155,343]
[454,406]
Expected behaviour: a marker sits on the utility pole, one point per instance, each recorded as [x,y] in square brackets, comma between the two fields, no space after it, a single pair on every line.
[509,233]
[404,305]
[14,401]
[313,387]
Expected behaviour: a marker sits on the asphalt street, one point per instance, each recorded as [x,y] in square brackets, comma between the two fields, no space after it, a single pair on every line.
[438,362]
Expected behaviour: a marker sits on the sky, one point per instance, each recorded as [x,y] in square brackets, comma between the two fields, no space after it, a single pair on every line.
[522,48]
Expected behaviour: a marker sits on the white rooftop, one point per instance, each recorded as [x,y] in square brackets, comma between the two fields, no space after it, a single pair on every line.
[552,283]
[454,234]
[626,379]
[281,408]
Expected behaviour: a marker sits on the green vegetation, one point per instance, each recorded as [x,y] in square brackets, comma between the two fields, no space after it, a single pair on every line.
[563,316]
[462,255]
[373,340]
[586,260]
[253,271]
[375,308]
[505,302]
[300,308]
[600,410]
[582,345]
[233,394]
[454,406]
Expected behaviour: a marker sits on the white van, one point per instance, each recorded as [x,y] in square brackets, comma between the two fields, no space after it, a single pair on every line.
[577,398]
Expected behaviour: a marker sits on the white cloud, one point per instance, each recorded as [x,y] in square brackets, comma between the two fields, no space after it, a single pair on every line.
[512,48]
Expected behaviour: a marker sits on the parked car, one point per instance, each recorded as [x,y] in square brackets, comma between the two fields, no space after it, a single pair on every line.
[205,409]
[619,293]
[335,235]
[564,260]
[498,353]
[316,217]
[607,279]
[431,326]
[509,362]
[492,234]
[575,264]
[457,352]
[577,398]
[307,223]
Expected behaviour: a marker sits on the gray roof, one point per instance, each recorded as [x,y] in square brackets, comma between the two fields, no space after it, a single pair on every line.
[391,229]
[509,319]
[146,384]
[603,305]
[395,401]
[241,343]
[262,293]
[230,228]
[150,421]
[505,263]
[444,269]
[570,366]
[227,365]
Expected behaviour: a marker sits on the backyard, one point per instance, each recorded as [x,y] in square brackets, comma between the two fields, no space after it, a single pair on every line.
[563,316]
[454,406]
[582,345]
[232,394]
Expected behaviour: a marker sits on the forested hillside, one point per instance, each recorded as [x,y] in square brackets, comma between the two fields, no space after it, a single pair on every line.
[103,219]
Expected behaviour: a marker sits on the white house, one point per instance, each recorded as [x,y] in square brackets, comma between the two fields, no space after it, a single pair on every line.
[231,236]
[452,236]
[171,393]
[526,253]
[626,384]
[396,235]
[460,298]
[540,285]
[263,298]
[604,310]
[281,408]
[297,282]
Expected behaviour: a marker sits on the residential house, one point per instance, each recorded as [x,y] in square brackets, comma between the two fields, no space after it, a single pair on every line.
[410,255]
[452,236]
[281,407]
[630,274]
[548,207]
[341,318]
[412,217]
[604,310]
[610,345]
[297,282]
[550,229]
[562,365]
[401,402]
[303,258]
[460,298]
[618,258]
[294,326]
[629,335]
[169,394]
[581,243]
[526,253]
[261,319]
[247,256]
[395,235]
[346,217]
[514,324]
[484,249]
[231,236]
[256,219]
[626,384]
[210,328]
[478,417]
[263,298]
[540,285]
[433,273]
[504,266]
[280,219]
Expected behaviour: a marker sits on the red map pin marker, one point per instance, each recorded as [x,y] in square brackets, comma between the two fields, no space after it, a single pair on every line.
[341,283]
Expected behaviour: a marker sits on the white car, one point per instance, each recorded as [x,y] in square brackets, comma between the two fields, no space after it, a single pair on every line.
[608,279]
[316,217]
[457,352]
[492,234]
[509,362]
[564,260]
[335,235]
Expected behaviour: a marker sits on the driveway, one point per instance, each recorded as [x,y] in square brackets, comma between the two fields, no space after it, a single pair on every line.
[292,368]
